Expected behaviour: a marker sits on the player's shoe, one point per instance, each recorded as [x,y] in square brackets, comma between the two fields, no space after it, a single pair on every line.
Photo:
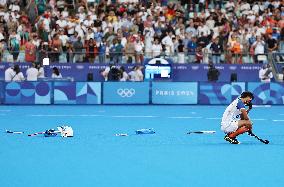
[231,140]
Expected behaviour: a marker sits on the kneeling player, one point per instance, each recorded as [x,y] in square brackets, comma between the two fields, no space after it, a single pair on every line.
[235,120]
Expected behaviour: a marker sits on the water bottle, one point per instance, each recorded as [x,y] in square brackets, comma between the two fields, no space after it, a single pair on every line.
[145,131]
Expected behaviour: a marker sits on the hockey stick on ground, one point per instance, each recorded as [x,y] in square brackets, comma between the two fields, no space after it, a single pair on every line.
[14,132]
[253,135]
[37,133]
[201,132]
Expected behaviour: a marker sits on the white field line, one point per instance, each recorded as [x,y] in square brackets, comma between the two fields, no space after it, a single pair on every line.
[214,118]
[65,115]
[258,119]
[261,106]
[185,117]
[278,120]
[122,116]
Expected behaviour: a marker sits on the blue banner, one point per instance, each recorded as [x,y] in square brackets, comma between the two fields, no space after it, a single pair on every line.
[198,72]
[267,93]
[126,93]
[174,93]
[220,93]
[180,72]
[28,93]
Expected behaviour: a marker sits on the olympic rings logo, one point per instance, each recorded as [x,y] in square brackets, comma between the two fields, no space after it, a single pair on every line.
[125,92]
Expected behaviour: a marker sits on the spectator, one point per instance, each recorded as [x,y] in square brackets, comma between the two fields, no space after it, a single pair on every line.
[139,46]
[258,47]
[14,45]
[265,73]
[56,48]
[17,75]
[41,6]
[213,73]
[202,19]
[124,75]
[55,73]
[91,50]
[30,52]
[40,69]
[136,74]
[156,48]
[180,50]
[236,49]
[191,48]
[114,74]
[168,42]
[9,74]
[272,47]
[216,49]
[117,51]
[102,51]
[78,49]
[129,50]
[32,73]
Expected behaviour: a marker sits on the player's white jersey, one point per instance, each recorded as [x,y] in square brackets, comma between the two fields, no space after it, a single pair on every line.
[233,111]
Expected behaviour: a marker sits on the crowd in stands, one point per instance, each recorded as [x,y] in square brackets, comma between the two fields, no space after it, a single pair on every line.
[127,31]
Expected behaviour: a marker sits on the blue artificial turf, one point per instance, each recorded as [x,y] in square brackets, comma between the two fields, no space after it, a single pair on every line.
[170,158]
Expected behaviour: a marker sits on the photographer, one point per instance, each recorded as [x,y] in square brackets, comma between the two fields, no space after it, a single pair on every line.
[265,73]
[213,73]
[114,74]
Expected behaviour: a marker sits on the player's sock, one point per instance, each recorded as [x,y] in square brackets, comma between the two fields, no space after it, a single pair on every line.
[241,130]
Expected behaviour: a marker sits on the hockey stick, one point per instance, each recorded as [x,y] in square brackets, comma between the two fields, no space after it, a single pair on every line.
[201,132]
[14,132]
[253,135]
[37,133]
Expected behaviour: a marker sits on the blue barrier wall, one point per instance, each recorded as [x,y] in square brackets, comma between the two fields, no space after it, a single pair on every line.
[180,73]
[267,93]
[220,93]
[137,92]
[77,93]
[27,93]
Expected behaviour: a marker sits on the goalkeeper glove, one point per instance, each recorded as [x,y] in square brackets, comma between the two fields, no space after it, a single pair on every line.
[249,105]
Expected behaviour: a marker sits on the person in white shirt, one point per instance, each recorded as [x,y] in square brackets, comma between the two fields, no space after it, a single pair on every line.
[40,71]
[168,42]
[18,75]
[235,120]
[265,73]
[9,74]
[61,22]
[124,75]
[32,73]
[55,73]
[136,74]
[259,46]
[156,48]
[138,46]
